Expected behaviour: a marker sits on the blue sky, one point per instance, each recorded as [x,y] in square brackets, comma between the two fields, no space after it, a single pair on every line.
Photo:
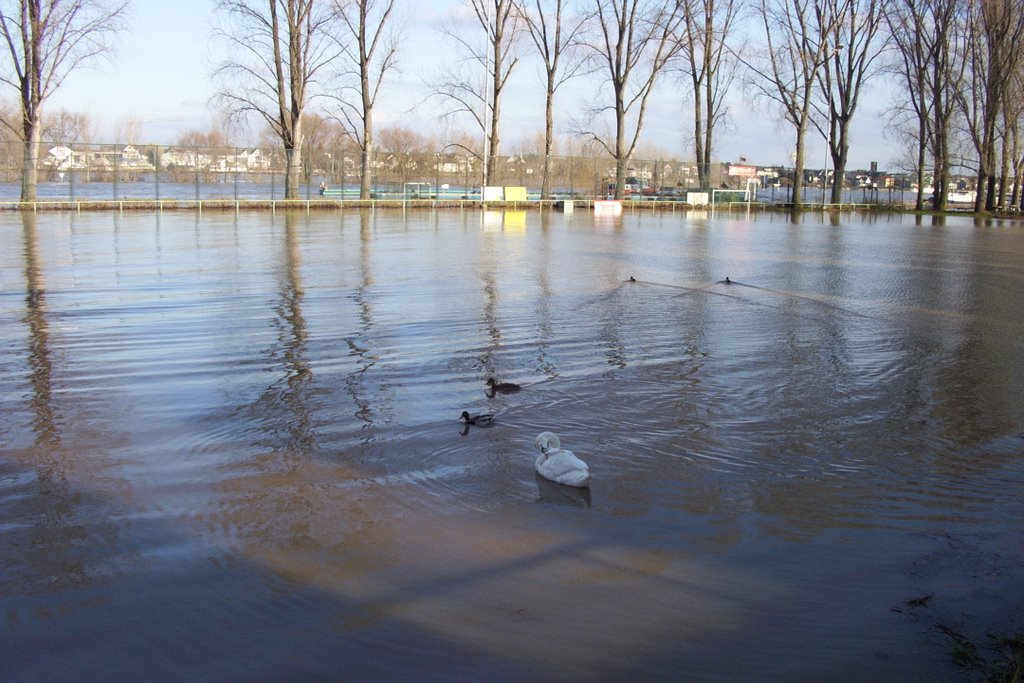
[159,78]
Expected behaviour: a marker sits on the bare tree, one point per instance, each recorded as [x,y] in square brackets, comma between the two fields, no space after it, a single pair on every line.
[67,127]
[856,45]
[706,27]
[556,37]
[369,48]
[211,138]
[632,41]
[1007,148]
[946,77]
[496,59]
[1014,122]
[995,32]
[277,49]
[46,40]
[10,117]
[906,23]
[502,27]
[938,33]
[323,138]
[403,151]
[797,43]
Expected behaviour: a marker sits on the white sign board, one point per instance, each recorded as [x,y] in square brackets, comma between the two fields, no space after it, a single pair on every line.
[607,207]
[493,194]
[697,198]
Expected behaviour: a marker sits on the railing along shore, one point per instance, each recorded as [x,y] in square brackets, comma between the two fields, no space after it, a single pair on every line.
[200,205]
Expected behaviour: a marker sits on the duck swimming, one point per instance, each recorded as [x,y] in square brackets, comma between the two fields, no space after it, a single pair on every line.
[559,465]
[501,387]
[482,420]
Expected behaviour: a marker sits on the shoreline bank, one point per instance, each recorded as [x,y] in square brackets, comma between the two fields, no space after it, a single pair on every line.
[432,204]
[553,205]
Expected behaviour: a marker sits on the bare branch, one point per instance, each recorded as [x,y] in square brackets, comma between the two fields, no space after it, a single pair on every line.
[277,49]
[634,41]
[369,52]
[501,23]
[46,40]
[555,38]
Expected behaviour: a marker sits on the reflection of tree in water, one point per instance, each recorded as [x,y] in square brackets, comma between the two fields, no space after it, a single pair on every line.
[610,336]
[276,506]
[356,383]
[285,409]
[287,503]
[545,328]
[59,532]
[490,304]
[490,313]
[977,396]
[39,361]
[816,331]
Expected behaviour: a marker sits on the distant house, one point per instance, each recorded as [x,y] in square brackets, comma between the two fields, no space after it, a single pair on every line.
[61,158]
[184,158]
[450,167]
[133,159]
[126,158]
[254,160]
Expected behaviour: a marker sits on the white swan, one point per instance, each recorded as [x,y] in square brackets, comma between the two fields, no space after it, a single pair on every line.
[559,465]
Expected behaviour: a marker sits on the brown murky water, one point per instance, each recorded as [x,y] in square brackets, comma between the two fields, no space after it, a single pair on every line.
[229,446]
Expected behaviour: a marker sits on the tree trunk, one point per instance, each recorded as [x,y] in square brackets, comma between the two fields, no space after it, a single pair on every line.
[922,155]
[1015,192]
[839,160]
[366,159]
[1004,172]
[494,139]
[984,193]
[545,186]
[293,170]
[698,139]
[494,134]
[990,165]
[1015,165]
[798,170]
[940,183]
[984,190]
[620,149]
[940,134]
[981,189]
[709,129]
[30,168]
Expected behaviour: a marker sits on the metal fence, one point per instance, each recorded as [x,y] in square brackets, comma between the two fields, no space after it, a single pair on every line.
[80,172]
[76,171]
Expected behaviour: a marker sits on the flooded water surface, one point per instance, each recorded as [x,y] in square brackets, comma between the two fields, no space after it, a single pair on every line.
[230,446]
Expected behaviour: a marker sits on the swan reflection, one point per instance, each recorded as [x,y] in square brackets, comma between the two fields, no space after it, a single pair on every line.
[559,494]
